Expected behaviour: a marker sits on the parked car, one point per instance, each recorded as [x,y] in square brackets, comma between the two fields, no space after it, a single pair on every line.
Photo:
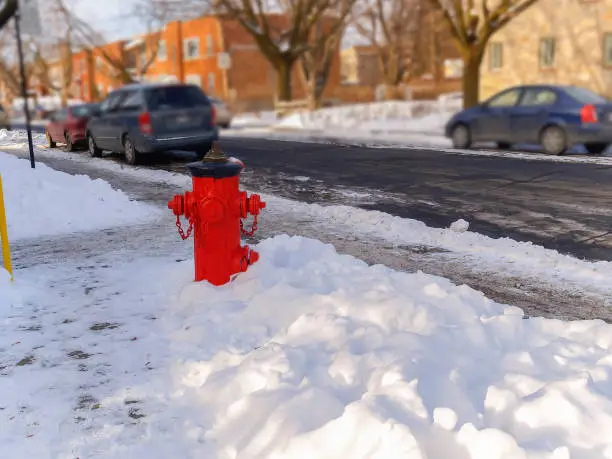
[5,122]
[68,125]
[553,116]
[140,119]
[223,113]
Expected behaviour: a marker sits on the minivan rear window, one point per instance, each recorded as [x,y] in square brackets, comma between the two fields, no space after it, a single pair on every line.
[171,97]
[585,96]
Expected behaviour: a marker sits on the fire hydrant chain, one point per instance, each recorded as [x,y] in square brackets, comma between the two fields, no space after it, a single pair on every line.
[180,228]
[250,232]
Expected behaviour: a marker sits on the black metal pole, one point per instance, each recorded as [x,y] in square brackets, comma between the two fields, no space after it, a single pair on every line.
[24,89]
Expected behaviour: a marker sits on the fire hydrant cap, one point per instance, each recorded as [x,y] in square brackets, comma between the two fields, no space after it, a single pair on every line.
[214,170]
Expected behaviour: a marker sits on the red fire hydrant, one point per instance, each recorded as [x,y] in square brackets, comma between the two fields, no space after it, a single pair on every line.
[215,209]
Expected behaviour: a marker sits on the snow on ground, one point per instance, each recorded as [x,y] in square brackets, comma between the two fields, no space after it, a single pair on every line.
[308,354]
[254,120]
[423,117]
[43,201]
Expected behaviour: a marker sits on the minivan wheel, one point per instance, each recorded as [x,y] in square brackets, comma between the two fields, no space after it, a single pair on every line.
[553,140]
[69,144]
[93,149]
[461,137]
[131,155]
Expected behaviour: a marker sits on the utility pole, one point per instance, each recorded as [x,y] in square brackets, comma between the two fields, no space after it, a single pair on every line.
[24,88]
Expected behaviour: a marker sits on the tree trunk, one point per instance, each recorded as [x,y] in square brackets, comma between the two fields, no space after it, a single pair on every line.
[471,77]
[283,81]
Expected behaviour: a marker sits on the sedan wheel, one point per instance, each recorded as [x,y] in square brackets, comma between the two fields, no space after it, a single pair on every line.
[553,140]
[50,142]
[69,144]
[461,137]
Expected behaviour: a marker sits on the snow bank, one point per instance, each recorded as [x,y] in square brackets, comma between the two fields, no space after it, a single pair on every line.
[426,117]
[307,355]
[254,120]
[312,354]
[43,201]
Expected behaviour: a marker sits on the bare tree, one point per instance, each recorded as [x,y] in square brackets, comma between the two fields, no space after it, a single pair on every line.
[281,30]
[472,23]
[324,42]
[128,66]
[392,29]
[53,64]
[9,70]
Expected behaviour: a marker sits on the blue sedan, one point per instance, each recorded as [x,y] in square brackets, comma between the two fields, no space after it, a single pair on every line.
[553,116]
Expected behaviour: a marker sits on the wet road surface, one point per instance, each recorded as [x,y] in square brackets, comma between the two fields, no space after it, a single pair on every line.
[561,206]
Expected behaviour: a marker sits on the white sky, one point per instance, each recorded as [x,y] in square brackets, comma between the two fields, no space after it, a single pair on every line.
[114,18]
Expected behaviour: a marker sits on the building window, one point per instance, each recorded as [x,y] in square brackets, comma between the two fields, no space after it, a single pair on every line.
[162,52]
[547,52]
[211,83]
[99,62]
[191,48]
[210,49]
[607,49]
[496,56]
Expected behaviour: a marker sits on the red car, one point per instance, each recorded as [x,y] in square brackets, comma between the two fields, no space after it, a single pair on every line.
[68,126]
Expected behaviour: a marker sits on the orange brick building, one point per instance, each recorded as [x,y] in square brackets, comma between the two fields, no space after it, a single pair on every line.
[213,52]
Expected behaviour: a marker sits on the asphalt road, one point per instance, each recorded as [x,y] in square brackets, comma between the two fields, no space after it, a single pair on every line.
[562,206]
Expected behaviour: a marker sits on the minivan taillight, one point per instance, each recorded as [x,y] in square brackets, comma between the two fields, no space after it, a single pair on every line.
[213,115]
[144,123]
[588,114]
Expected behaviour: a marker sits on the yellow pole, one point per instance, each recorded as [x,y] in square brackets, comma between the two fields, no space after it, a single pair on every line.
[6,250]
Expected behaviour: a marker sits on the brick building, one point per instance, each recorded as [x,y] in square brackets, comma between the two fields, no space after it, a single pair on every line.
[435,62]
[213,52]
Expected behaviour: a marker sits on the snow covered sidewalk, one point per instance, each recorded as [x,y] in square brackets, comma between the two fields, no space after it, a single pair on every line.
[309,354]
[43,202]
[116,353]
